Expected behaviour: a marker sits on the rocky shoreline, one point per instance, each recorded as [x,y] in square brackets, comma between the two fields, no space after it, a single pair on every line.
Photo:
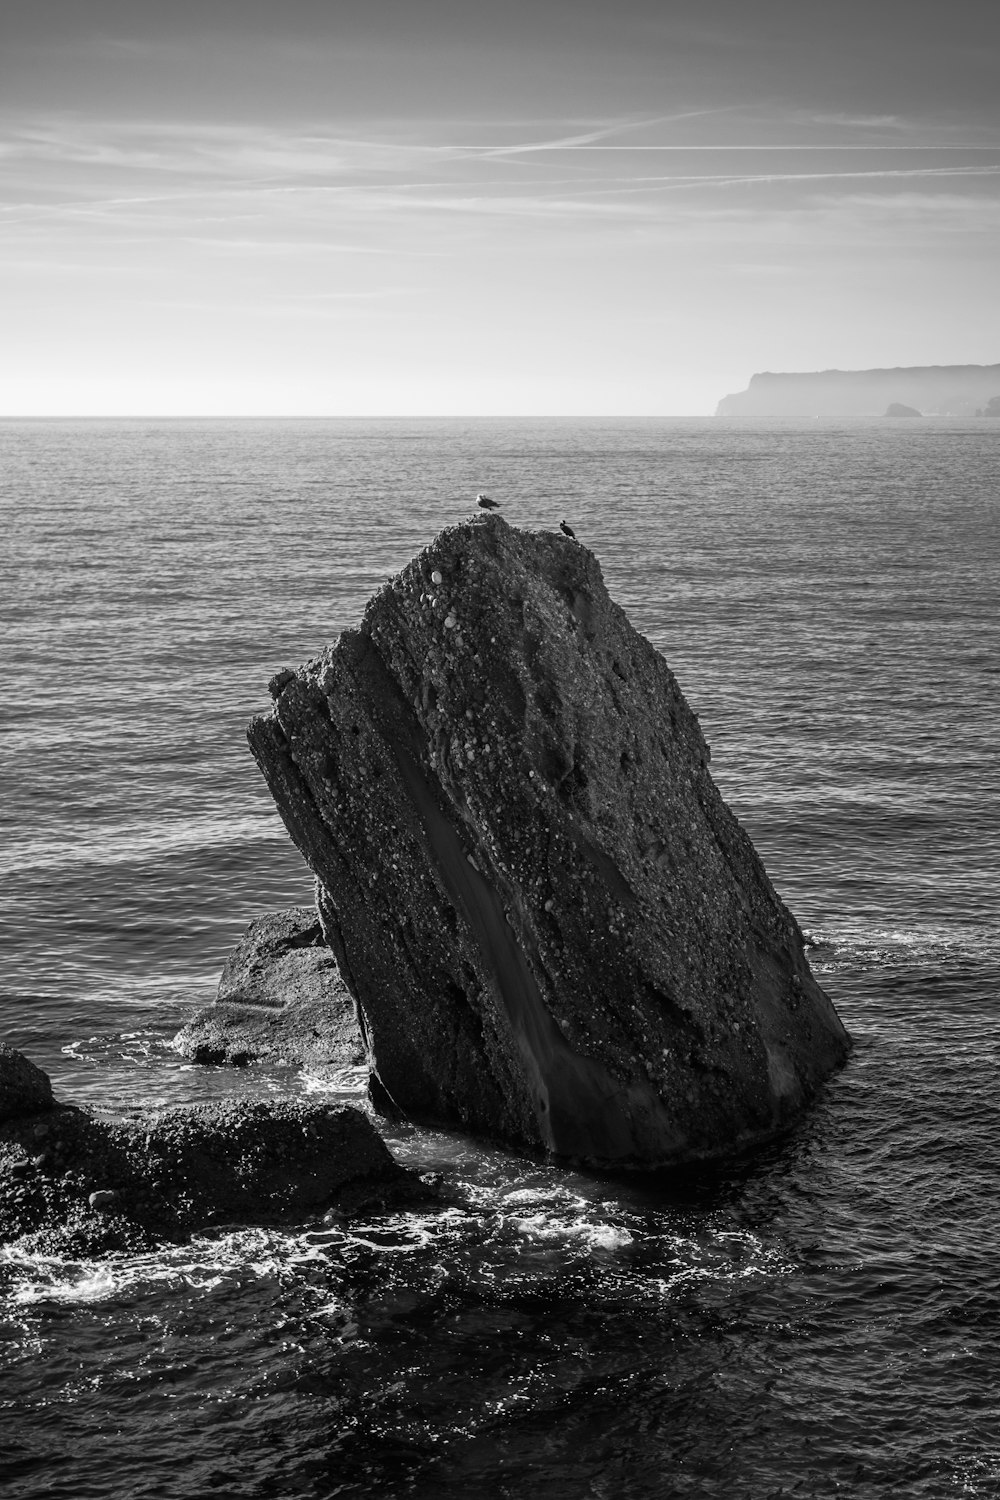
[536,921]
[83,1183]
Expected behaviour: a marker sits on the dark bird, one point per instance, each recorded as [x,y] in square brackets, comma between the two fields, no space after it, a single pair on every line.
[485,503]
[567,530]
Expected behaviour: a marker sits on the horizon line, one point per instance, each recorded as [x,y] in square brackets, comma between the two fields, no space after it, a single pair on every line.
[375,416]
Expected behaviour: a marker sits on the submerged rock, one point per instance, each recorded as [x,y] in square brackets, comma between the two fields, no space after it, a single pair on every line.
[557,933]
[128,1181]
[280,998]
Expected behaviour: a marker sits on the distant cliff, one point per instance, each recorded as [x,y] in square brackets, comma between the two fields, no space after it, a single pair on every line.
[952,390]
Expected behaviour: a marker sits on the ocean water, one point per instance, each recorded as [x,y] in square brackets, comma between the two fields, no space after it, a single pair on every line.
[822,1319]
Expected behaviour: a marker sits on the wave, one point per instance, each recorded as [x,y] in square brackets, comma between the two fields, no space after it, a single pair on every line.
[858,945]
[125,843]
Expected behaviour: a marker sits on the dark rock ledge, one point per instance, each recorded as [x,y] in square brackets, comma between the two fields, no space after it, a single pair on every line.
[77,1182]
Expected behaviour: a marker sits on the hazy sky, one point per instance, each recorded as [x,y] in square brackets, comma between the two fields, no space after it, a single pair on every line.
[409,206]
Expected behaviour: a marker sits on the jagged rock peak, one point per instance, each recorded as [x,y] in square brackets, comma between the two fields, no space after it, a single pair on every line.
[557,934]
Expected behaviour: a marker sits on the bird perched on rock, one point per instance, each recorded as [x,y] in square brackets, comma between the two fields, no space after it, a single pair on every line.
[485,503]
[567,530]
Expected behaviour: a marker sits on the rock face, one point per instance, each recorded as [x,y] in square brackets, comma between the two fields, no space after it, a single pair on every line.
[280,958]
[75,1182]
[955,390]
[280,998]
[23,1087]
[557,933]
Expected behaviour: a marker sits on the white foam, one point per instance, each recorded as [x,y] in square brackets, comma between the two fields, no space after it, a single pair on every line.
[413,1237]
[349,1080]
[548,1229]
[525,1195]
[200,1266]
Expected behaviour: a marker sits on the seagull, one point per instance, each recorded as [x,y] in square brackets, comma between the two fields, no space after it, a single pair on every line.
[485,503]
[567,530]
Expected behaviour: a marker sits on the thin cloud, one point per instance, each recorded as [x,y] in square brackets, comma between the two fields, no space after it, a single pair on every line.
[361,204]
[764,148]
[596,138]
[744,179]
[861,122]
[255,191]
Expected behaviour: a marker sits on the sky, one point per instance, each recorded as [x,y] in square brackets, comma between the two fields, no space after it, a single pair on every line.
[409,207]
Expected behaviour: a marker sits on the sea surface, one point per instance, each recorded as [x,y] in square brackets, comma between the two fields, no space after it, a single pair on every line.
[822,1319]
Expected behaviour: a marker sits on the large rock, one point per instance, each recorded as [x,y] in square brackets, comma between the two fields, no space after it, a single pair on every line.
[280,999]
[24,1088]
[80,1182]
[558,934]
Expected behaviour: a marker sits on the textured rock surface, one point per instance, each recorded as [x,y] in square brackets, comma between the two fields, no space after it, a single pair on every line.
[23,1087]
[76,1182]
[557,933]
[280,998]
[280,957]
